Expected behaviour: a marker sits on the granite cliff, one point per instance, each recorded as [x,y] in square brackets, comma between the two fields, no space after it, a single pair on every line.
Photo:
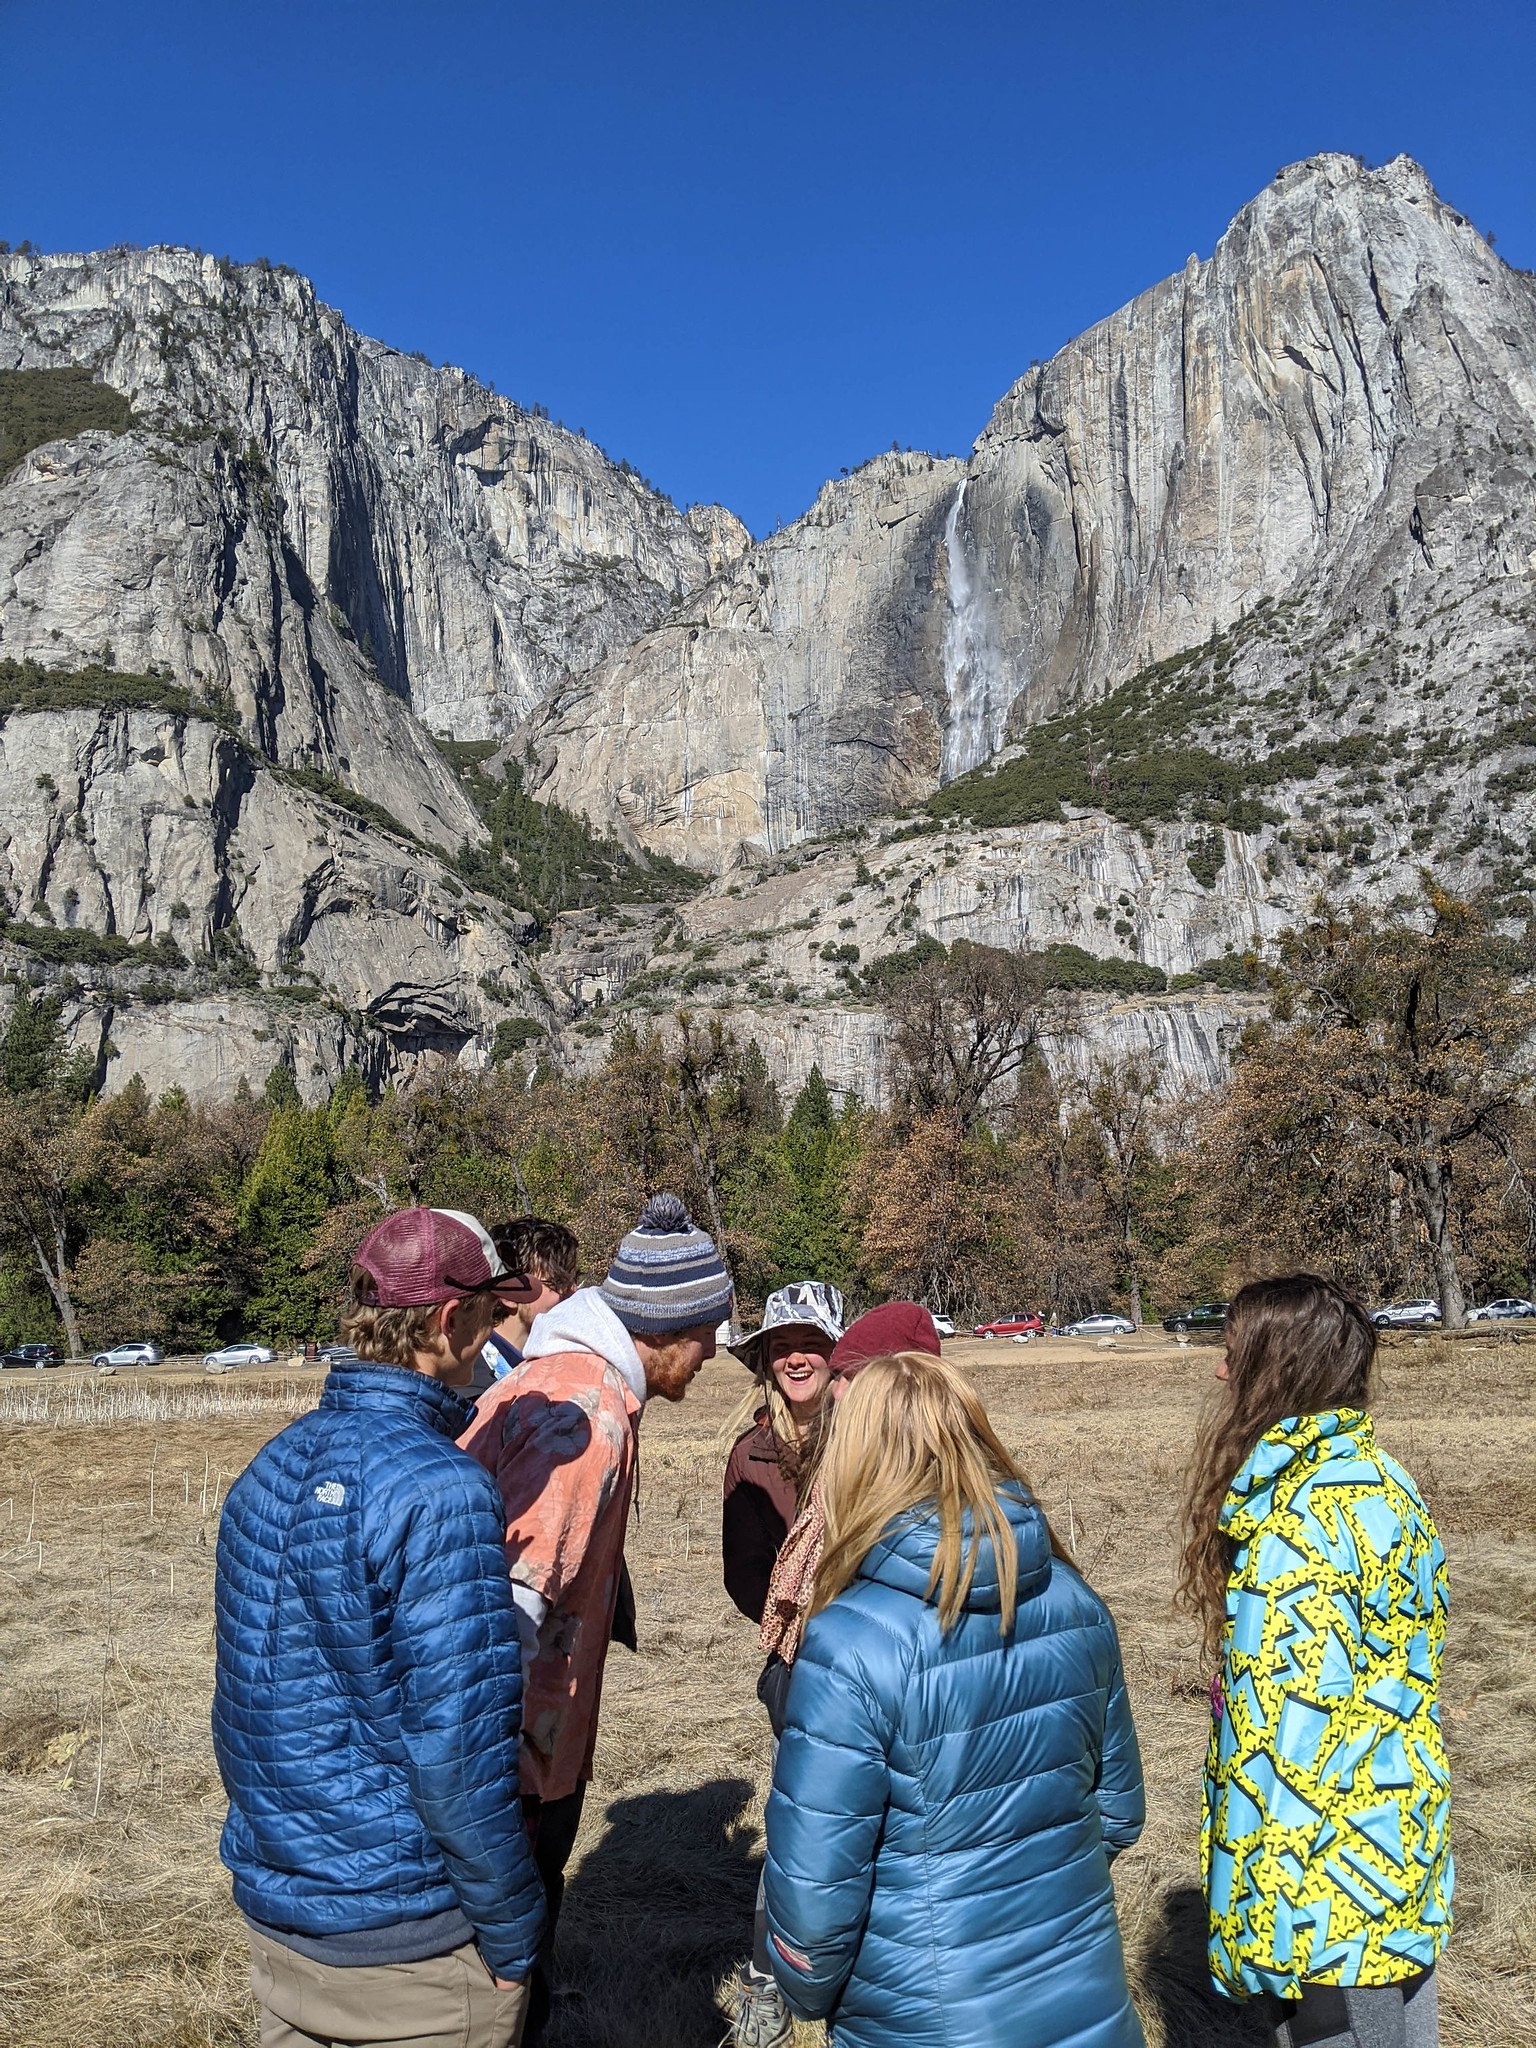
[1232,601]
[1336,412]
[314,527]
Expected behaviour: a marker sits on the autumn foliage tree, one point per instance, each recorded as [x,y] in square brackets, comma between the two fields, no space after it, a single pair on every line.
[1393,1073]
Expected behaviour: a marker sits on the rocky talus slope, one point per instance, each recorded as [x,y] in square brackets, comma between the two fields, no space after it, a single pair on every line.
[1335,412]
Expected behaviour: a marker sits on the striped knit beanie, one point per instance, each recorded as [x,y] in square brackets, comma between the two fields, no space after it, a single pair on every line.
[666,1274]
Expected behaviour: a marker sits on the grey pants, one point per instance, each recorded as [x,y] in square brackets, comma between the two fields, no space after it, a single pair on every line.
[1403,2015]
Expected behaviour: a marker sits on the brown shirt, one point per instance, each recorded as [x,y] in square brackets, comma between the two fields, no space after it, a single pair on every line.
[759,1507]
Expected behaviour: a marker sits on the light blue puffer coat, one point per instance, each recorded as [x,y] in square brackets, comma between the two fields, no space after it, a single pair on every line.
[944,1808]
[368,1693]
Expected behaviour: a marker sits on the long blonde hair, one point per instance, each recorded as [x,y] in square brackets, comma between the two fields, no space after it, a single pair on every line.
[911,1432]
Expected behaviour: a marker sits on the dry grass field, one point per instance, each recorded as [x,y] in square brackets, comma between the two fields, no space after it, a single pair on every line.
[116,1929]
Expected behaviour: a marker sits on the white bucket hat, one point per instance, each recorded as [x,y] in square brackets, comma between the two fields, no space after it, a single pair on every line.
[804,1305]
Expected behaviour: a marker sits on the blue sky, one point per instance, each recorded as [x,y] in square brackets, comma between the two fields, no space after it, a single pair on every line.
[742,245]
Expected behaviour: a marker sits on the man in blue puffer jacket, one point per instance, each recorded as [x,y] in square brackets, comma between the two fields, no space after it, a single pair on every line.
[368,1700]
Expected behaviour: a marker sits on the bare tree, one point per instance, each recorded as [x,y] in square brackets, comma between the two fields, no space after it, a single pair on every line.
[1120,1095]
[961,1028]
[39,1140]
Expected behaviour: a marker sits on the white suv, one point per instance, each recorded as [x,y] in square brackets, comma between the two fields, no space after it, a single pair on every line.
[1406,1315]
[130,1354]
[1510,1308]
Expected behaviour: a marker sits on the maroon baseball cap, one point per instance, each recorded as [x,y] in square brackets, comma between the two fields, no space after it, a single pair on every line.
[898,1326]
[420,1256]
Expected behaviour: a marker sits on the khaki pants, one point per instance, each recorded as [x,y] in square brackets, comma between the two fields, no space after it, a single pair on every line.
[449,2001]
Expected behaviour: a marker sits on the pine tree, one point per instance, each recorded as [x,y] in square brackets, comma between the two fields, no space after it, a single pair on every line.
[813,1240]
[288,1193]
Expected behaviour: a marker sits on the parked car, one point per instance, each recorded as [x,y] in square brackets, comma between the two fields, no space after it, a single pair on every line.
[1099,1326]
[1023,1323]
[240,1354]
[1210,1315]
[945,1325]
[1507,1309]
[10,1359]
[40,1354]
[1406,1315]
[331,1354]
[130,1354]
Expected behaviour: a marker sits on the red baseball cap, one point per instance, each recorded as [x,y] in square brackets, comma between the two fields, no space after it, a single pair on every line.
[419,1256]
[898,1326]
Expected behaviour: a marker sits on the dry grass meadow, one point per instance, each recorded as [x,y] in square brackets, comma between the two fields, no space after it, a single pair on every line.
[116,1929]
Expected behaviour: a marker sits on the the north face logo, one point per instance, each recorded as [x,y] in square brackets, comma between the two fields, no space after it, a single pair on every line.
[330,1493]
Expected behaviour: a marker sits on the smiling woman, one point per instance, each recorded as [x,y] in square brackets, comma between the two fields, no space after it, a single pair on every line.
[770,1466]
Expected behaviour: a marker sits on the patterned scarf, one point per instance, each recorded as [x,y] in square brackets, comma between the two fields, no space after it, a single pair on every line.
[793,1583]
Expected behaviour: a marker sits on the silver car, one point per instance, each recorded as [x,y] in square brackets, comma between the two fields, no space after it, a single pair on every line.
[240,1354]
[1099,1326]
[1406,1315]
[130,1354]
[1509,1308]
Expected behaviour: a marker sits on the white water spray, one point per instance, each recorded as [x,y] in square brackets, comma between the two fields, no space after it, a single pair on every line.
[973,733]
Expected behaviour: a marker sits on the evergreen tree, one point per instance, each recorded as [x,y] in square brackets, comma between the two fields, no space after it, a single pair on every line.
[813,1240]
[288,1194]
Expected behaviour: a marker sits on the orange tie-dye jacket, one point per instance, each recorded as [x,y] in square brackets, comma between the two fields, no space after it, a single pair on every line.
[559,1437]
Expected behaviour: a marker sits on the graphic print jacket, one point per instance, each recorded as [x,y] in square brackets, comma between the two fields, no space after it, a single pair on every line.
[1325,1848]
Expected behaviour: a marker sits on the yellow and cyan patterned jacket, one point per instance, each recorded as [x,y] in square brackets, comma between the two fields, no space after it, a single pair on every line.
[1325,1849]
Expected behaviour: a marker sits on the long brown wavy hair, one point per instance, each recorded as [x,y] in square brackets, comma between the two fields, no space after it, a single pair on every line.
[910,1432]
[1296,1345]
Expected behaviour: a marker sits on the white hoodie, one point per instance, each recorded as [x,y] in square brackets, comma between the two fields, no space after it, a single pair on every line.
[585,1322]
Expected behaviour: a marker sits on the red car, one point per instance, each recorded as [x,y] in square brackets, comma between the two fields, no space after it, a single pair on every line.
[1012,1326]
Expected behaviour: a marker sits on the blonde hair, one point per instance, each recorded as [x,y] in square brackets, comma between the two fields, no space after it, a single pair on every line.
[911,1432]
[395,1336]
[389,1336]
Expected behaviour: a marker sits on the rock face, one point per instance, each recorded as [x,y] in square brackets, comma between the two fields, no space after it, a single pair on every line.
[1279,513]
[797,692]
[781,959]
[300,515]
[1338,407]
[335,546]
[283,929]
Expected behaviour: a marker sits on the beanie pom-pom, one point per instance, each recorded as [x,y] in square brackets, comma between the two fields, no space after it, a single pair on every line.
[667,1214]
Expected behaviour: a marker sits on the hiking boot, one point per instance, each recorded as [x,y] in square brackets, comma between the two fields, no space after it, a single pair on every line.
[761,2018]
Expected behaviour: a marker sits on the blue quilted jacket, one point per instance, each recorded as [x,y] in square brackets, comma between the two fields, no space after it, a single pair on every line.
[945,1807]
[368,1699]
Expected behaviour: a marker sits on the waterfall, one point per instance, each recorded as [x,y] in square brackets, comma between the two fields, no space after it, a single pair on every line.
[969,737]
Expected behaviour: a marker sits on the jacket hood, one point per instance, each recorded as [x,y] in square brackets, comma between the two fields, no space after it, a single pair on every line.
[1297,1440]
[903,1557]
[365,1383]
[585,1322]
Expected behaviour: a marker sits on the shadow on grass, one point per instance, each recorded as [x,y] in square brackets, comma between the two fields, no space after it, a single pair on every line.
[1174,1988]
[656,1914]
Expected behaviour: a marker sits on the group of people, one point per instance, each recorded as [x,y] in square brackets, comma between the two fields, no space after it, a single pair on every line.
[419,1582]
